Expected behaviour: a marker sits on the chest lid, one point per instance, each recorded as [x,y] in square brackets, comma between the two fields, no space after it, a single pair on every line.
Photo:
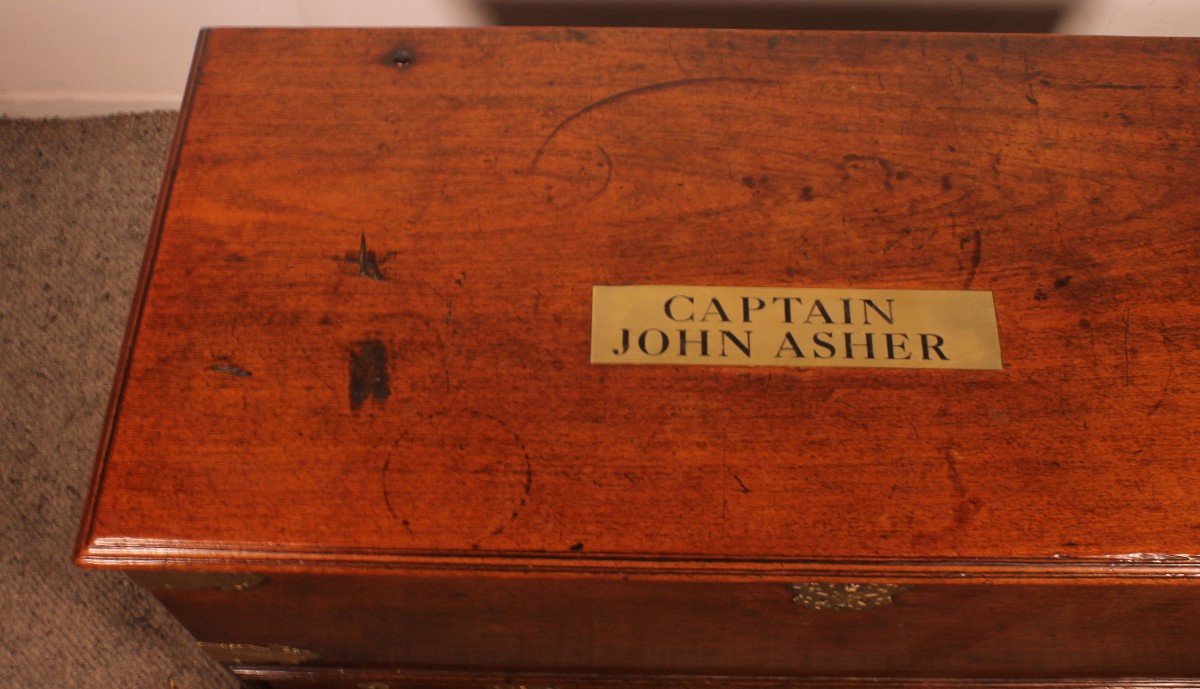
[363,332]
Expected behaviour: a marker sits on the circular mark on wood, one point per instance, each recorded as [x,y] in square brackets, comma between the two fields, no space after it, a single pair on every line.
[646,141]
[464,475]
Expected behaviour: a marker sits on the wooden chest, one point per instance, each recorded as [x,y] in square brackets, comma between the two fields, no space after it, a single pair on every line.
[372,426]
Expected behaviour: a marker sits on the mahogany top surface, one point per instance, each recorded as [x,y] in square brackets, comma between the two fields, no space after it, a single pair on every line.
[504,172]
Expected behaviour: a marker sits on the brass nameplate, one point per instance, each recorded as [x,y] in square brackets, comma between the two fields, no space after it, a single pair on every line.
[772,326]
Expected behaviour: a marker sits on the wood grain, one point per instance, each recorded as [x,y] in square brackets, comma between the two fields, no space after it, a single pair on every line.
[361,338]
[615,628]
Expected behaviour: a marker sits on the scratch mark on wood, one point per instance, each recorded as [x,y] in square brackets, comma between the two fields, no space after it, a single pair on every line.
[960,489]
[608,174]
[976,239]
[368,373]
[1087,325]
[368,263]
[446,375]
[528,483]
[1170,346]
[387,498]
[741,484]
[366,260]
[1106,86]
[967,507]
[1125,346]
[636,91]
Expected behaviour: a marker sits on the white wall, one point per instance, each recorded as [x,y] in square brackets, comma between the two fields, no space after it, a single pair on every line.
[80,57]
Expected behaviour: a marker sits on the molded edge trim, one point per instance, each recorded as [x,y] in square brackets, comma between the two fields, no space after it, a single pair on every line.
[139,300]
[150,554]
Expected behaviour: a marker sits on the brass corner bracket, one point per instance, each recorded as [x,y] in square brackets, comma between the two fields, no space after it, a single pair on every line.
[249,654]
[189,581]
[844,597]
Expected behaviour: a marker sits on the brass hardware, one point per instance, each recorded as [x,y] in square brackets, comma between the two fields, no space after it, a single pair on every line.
[242,654]
[844,597]
[372,685]
[402,58]
[188,581]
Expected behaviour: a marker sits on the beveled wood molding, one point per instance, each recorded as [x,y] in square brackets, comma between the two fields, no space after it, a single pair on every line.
[140,293]
[129,554]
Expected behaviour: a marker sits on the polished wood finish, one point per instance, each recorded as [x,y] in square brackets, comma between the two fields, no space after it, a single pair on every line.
[505,172]
[358,358]
[574,626]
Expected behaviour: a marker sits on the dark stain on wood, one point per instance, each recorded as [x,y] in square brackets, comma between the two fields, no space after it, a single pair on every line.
[741,484]
[884,164]
[224,365]
[368,373]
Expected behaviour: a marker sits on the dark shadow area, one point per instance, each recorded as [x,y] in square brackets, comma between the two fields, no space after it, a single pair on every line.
[860,16]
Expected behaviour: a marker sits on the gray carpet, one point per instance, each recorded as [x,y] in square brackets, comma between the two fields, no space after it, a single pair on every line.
[76,200]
